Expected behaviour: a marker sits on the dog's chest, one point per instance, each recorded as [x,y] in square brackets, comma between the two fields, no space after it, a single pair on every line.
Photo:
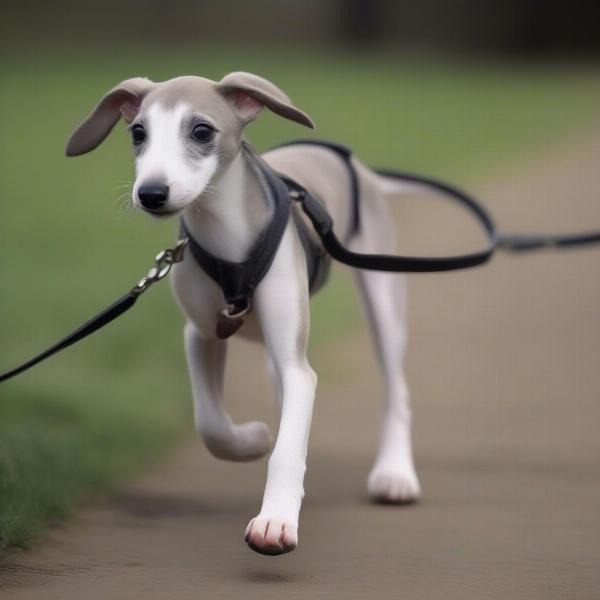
[201,300]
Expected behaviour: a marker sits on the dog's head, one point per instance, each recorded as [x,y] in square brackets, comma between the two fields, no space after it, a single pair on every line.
[184,131]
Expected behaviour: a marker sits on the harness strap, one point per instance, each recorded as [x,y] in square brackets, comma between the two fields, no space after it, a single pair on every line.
[238,280]
[345,154]
[317,259]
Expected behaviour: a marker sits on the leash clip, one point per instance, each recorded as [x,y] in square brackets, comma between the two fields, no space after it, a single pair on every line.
[163,262]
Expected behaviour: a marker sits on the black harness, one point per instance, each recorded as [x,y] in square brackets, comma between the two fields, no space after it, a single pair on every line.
[238,281]
[346,155]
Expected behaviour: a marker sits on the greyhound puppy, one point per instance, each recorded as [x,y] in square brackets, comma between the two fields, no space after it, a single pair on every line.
[191,161]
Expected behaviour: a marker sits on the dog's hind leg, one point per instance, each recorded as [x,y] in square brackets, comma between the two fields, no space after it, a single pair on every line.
[224,439]
[393,478]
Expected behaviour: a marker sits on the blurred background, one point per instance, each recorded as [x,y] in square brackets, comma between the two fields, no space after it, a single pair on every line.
[510,28]
[465,90]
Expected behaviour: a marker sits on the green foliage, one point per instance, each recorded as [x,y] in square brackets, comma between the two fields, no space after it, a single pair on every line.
[83,421]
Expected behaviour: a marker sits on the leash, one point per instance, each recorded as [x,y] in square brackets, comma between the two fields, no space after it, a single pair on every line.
[323,224]
[242,285]
[162,265]
[495,240]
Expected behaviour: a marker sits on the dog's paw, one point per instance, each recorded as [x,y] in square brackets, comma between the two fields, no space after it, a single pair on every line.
[394,487]
[271,536]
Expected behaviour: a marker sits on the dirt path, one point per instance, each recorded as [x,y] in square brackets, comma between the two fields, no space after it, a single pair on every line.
[504,367]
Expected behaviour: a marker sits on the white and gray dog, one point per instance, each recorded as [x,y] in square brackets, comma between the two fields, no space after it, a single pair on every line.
[191,161]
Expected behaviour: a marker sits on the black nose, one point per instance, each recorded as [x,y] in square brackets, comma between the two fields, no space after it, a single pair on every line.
[153,196]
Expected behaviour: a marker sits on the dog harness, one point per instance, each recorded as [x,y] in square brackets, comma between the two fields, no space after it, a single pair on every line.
[239,280]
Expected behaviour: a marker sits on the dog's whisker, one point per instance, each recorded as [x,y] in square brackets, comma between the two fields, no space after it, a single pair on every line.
[126,208]
[125,188]
[125,195]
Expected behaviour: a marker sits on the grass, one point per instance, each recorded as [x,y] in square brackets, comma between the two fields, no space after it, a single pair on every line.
[83,421]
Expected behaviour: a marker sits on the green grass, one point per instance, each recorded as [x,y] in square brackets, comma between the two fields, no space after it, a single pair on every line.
[83,421]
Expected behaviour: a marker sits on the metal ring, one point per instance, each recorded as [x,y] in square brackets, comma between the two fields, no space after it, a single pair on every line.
[226,311]
[164,271]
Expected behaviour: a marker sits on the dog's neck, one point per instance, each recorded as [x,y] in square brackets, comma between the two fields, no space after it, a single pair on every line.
[228,217]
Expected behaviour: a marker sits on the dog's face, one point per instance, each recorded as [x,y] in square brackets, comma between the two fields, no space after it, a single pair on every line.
[185,132]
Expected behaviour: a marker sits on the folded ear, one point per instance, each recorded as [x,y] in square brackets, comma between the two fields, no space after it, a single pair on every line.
[124,100]
[248,94]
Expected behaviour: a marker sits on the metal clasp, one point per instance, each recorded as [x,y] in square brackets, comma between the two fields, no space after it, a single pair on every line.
[296,194]
[231,311]
[163,262]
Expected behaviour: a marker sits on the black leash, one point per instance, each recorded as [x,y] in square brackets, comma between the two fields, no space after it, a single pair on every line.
[238,291]
[525,242]
[510,242]
[323,224]
[162,265]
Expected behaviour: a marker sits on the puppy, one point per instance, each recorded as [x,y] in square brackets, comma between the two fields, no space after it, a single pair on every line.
[191,161]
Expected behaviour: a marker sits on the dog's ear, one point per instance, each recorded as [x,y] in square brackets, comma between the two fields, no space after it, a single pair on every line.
[248,94]
[123,100]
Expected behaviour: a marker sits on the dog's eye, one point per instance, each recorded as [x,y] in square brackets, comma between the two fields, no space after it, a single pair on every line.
[203,133]
[138,134]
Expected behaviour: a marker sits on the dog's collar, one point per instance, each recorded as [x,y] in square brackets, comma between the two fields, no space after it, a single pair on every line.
[238,280]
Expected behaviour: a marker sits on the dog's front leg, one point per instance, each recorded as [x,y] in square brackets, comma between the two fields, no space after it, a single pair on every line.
[283,312]
[224,439]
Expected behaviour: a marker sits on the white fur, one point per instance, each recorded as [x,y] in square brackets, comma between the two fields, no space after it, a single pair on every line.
[164,159]
[220,218]
[218,214]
